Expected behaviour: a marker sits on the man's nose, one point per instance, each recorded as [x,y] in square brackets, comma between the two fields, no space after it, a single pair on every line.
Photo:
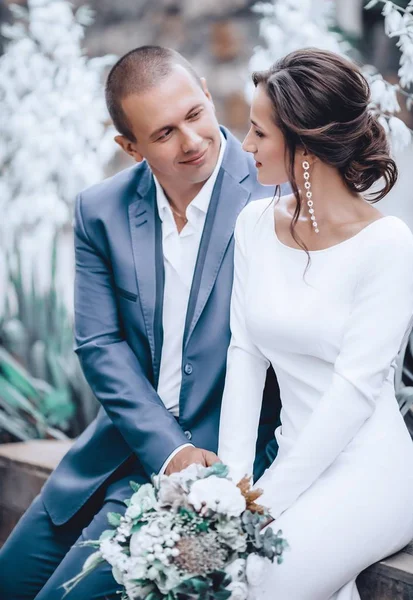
[190,140]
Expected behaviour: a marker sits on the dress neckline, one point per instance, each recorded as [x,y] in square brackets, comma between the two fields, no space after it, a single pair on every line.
[329,248]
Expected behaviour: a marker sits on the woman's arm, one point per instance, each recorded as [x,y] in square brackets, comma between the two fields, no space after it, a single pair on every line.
[246,370]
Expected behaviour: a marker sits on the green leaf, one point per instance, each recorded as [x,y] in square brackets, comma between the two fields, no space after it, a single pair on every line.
[16,399]
[114,519]
[217,469]
[199,584]
[137,526]
[154,596]
[58,376]
[222,595]
[58,407]
[20,430]
[17,375]
[135,486]
[108,534]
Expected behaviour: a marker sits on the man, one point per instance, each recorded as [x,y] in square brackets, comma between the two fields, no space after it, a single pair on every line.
[154,267]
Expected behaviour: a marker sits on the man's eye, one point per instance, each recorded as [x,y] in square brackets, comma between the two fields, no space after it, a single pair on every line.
[195,114]
[164,135]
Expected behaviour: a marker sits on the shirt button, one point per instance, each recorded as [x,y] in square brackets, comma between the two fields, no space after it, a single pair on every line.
[188,369]
[188,434]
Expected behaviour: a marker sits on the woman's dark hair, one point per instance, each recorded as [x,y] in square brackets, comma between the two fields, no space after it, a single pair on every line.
[320,104]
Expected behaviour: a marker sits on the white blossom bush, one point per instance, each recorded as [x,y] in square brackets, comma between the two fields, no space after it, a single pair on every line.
[398,23]
[288,25]
[54,138]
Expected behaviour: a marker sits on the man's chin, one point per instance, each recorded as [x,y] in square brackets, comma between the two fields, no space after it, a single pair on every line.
[200,175]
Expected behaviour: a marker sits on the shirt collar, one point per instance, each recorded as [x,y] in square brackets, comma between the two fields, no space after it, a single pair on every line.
[203,198]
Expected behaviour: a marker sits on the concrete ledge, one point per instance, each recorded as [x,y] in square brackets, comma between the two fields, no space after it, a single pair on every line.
[389,579]
[24,468]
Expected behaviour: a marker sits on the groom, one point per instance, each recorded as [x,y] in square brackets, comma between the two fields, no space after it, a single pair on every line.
[154,268]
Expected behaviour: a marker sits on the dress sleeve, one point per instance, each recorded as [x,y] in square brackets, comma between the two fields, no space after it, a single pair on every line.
[246,371]
[381,316]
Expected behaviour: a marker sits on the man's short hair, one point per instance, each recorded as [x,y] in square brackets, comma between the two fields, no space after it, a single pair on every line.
[136,72]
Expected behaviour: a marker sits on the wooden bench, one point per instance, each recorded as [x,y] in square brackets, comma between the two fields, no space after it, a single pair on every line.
[25,467]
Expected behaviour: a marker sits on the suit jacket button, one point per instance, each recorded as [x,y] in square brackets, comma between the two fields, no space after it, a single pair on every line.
[188,434]
[188,369]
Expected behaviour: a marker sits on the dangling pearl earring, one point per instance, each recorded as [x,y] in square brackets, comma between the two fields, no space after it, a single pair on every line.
[309,194]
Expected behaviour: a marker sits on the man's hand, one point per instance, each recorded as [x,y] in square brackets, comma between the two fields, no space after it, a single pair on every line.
[188,456]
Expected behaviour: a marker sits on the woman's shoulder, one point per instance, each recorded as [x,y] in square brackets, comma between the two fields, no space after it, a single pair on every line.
[386,249]
[252,214]
[389,232]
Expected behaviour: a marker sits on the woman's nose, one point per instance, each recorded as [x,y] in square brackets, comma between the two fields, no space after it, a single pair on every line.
[247,145]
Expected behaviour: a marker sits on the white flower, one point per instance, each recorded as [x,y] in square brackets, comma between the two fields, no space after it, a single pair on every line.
[236,569]
[384,95]
[144,498]
[137,570]
[191,473]
[393,22]
[134,511]
[400,134]
[239,590]
[255,569]
[139,541]
[118,575]
[217,494]
[384,123]
[170,492]
[111,551]
[387,8]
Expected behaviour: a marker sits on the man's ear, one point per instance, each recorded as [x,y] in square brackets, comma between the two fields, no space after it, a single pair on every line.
[206,90]
[128,147]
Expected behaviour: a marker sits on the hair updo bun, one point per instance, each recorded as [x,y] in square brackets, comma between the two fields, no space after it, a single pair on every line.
[371,161]
[321,102]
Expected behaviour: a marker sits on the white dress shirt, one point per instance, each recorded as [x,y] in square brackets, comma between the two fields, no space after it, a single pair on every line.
[180,251]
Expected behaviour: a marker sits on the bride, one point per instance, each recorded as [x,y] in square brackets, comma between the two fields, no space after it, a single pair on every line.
[323,291]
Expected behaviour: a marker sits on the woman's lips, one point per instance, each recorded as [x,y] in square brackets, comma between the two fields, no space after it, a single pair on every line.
[258,164]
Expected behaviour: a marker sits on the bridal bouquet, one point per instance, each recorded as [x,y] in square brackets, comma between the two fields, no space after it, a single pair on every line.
[193,534]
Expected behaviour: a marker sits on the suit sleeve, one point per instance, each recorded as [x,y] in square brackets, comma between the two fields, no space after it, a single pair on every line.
[110,366]
[380,319]
[246,373]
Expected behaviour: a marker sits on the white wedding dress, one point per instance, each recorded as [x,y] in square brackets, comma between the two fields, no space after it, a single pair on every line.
[341,487]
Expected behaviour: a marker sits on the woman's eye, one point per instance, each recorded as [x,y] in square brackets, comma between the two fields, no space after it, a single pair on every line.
[259,134]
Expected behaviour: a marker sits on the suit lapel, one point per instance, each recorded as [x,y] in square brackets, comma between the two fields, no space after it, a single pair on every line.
[146,236]
[228,199]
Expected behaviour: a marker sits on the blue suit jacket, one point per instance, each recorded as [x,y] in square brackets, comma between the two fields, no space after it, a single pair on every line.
[118,329]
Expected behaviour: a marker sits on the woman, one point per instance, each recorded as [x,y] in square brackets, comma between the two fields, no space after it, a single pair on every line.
[323,291]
